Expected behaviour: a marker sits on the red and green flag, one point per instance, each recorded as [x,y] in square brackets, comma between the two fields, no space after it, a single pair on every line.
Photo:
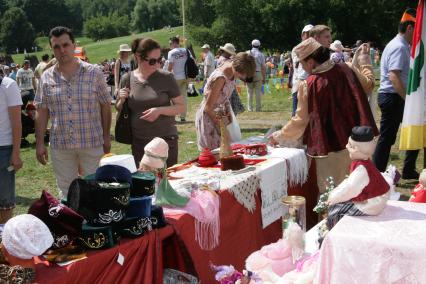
[413,130]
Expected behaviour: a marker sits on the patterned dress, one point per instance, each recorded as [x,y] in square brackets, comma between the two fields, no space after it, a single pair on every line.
[208,133]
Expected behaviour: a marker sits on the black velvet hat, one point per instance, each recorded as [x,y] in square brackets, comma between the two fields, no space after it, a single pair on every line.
[63,222]
[157,217]
[135,227]
[143,184]
[362,134]
[139,207]
[113,173]
[100,203]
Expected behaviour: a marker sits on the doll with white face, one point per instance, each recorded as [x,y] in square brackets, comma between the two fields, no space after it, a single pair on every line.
[365,191]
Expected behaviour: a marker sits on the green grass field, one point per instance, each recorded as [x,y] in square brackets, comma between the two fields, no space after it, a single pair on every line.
[33,178]
[105,49]
[276,106]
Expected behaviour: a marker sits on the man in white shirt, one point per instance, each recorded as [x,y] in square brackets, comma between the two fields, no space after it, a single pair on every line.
[299,73]
[209,62]
[255,87]
[26,82]
[10,141]
[176,58]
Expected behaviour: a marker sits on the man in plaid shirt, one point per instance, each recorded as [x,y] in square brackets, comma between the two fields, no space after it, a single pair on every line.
[74,95]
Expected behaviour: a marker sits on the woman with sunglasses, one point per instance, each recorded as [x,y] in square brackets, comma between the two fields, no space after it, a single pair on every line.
[153,98]
[217,92]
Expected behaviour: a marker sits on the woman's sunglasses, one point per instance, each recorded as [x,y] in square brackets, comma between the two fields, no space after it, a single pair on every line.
[153,61]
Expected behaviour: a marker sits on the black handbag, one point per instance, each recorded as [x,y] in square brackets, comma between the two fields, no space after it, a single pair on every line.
[123,127]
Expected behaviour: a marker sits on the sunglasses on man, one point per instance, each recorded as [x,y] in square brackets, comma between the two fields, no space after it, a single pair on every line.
[153,61]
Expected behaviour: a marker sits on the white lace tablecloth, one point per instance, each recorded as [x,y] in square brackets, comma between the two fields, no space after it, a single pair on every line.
[282,166]
[389,248]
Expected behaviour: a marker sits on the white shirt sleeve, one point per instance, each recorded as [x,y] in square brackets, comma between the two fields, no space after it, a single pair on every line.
[209,60]
[350,187]
[19,73]
[13,93]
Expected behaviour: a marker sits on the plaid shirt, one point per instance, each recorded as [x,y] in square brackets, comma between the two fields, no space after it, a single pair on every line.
[74,106]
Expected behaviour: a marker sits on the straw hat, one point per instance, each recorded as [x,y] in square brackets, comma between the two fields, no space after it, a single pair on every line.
[205,46]
[156,153]
[306,48]
[229,48]
[124,47]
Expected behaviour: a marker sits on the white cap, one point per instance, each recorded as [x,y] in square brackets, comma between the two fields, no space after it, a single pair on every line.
[307,28]
[126,160]
[25,236]
[206,46]
[255,43]
[336,46]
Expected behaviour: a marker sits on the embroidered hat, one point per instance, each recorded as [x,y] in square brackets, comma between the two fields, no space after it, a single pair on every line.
[143,184]
[229,48]
[139,207]
[25,236]
[97,237]
[306,48]
[156,153]
[135,227]
[100,203]
[64,223]
[157,217]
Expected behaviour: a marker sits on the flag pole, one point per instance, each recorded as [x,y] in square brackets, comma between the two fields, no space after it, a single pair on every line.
[183,18]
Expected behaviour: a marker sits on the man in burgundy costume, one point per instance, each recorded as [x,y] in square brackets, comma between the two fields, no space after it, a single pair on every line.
[331,102]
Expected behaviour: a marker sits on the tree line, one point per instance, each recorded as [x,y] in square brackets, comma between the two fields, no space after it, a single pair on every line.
[278,23]
[21,21]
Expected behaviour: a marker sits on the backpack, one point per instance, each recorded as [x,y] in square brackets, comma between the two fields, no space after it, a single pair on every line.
[191,68]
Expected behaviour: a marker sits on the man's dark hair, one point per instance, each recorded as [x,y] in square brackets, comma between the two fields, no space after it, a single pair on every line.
[174,39]
[320,55]
[402,27]
[45,57]
[58,31]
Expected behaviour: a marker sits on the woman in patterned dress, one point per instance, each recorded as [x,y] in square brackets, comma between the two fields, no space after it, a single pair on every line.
[218,90]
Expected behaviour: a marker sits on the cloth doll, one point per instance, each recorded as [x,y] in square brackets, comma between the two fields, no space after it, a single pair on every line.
[365,191]
[419,192]
[274,260]
[154,158]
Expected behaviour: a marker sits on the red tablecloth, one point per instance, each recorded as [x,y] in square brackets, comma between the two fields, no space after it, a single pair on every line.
[241,232]
[144,260]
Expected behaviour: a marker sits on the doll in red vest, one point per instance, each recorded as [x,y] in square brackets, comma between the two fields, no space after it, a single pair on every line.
[365,191]
[419,192]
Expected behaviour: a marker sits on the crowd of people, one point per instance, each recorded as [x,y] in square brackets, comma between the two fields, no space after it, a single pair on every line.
[331,88]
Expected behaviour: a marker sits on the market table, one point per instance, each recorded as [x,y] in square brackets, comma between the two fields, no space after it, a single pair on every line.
[389,248]
[241,232]
[144,260]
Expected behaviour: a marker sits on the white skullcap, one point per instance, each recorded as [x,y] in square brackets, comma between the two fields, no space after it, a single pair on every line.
[25,236]
[255,43]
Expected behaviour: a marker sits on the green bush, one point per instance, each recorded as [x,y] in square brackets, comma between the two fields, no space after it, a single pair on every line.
[103,27]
